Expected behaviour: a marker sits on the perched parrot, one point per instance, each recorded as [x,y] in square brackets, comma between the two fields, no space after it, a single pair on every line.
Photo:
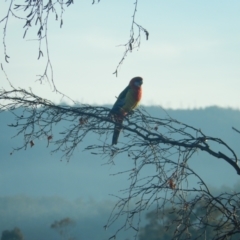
[128,99]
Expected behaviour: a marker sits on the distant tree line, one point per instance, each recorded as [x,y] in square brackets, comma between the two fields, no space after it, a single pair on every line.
[14,234]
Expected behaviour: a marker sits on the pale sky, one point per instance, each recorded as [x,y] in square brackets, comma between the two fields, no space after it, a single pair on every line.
[191,60]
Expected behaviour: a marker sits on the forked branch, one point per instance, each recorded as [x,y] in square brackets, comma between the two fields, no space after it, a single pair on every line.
[163,145]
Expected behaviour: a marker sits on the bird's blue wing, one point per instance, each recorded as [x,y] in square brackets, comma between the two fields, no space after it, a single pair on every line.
[120,101]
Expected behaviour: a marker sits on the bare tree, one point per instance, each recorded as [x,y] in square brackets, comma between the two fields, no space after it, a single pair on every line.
[14,234]
[164,145]
[63,227]
[204,219]
[37,14]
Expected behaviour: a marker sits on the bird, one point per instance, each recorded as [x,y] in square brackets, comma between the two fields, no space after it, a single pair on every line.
[127,101]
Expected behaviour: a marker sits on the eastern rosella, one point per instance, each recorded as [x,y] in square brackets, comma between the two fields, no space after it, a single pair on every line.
[128,99]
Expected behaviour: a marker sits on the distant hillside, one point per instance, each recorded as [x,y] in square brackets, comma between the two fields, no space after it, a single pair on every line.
[36,174]
[213,121]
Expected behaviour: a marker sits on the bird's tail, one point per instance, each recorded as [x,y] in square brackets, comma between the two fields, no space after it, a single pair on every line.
[117,130]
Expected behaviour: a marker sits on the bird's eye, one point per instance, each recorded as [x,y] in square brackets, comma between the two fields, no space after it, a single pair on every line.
[138,83]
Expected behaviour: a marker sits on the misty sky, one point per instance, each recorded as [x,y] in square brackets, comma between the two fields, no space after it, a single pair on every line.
[190,60]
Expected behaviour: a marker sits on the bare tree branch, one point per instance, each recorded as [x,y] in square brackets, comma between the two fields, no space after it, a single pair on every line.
[173,189]
[235,130]
[133,42]
[164,145]
[36,14]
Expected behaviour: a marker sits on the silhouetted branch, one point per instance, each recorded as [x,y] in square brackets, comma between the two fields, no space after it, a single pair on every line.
[134,41]
[163,145]
[235,130]
[36,13]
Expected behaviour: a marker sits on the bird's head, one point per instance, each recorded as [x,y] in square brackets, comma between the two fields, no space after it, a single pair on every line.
[136,82]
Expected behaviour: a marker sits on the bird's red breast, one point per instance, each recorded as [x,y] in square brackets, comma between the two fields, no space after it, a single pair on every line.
[136,86]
